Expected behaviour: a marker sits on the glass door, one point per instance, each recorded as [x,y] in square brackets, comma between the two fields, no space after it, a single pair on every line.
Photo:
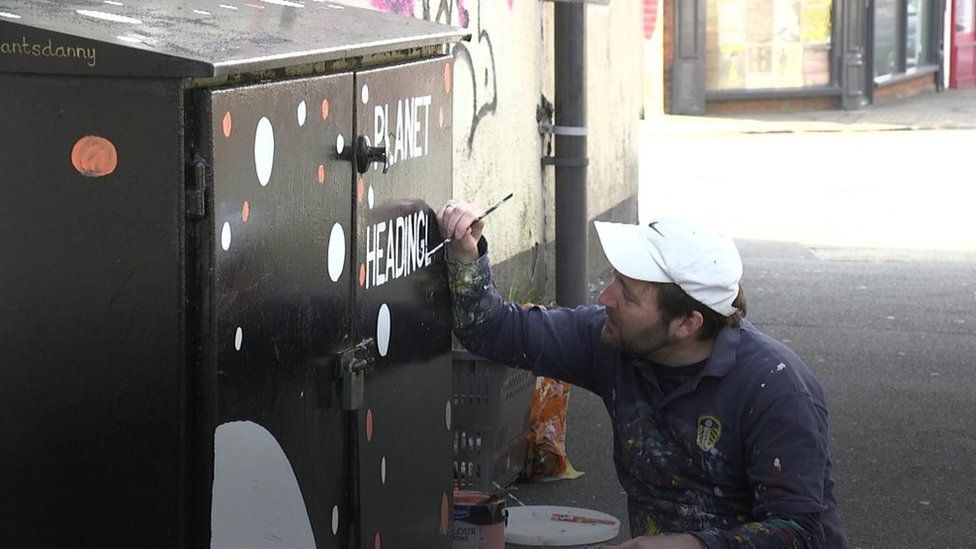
[962,55]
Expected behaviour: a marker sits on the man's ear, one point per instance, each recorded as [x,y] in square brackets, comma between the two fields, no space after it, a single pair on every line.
[687,327]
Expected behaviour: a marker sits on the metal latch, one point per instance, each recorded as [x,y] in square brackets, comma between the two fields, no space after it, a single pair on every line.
[196,203]
[366,155]
[353,364]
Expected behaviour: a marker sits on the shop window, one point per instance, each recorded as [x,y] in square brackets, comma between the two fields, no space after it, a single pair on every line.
[964,23]
[902,35]
[917,33]
[885,37]
[764,44]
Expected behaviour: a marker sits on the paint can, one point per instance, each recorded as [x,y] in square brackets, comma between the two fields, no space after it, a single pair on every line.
[479,520]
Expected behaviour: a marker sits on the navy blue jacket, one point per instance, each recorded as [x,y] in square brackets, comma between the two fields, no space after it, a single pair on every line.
[737,455]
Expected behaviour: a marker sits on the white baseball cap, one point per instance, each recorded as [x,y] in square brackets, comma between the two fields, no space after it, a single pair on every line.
[703,262]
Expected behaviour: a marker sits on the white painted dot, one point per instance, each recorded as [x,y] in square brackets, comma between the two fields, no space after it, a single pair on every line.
[131,38]
[365,93]
[264,150]
[383,470]
[337,252]
[447,415]
[227,7]
[114,3]
[335,520]
[115,18]
[201,12]
[7,15]
[302,113]
[285,3]
[340,143]
[225,236]
[336,6]
[371,196]
[383,330]
[238,338]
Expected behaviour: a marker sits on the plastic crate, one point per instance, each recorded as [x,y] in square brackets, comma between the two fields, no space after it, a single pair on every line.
[490,428]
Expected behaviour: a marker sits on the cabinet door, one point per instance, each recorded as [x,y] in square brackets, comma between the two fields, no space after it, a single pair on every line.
[402,300]
[281,306]
[91,312]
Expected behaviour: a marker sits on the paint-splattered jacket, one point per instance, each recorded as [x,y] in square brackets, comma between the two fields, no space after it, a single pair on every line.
[737,455]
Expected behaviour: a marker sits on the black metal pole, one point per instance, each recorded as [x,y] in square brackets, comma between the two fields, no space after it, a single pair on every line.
[571,155]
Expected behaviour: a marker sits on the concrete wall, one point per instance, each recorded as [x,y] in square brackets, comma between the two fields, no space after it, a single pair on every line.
[503,86]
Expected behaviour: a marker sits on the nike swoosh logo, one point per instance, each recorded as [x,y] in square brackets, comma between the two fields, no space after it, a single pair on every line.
[651,225]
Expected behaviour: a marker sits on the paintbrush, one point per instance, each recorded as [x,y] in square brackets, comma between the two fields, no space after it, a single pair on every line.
[490,209]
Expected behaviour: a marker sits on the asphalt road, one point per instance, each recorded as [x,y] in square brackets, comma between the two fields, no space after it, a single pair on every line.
[869,273]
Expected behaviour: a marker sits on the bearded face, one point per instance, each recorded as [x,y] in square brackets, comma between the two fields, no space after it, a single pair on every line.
[635,324]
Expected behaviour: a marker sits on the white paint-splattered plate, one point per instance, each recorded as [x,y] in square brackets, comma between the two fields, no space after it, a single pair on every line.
[552,525]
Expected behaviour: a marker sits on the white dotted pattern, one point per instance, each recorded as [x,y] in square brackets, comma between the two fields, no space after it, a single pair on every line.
[335,520]
[371,197]
[337,252]
[285,3]
[238,338]
[302,113]
[383,470]
[383,330]
[365,93]
[340,143]
[264,145]
[225,236]
[115,18]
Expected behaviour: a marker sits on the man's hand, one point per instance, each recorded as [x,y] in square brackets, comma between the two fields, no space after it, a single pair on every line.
[664,541]
[456,220]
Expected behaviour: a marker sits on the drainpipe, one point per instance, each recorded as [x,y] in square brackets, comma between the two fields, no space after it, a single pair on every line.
[571,156]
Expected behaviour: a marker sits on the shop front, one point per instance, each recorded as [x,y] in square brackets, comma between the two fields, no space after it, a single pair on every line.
[906,47]
[742,55]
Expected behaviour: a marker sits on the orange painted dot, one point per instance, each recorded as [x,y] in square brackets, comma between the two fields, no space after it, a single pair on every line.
[228,124]
[369,425]
[94,156]
[447,77]
[377,542]
[361,189]
[245,212]
[255,6]
[445,513]
[325,109]
[321,173]
[362,274]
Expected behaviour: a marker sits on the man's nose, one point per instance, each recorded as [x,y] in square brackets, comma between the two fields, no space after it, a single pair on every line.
[605,298]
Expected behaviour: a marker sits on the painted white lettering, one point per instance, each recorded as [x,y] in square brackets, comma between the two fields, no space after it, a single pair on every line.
[391,252]
[379,276]
[370,258]
[401,247]
[405,250]
[425,100]
[398,147]
[415,128]
[379,126]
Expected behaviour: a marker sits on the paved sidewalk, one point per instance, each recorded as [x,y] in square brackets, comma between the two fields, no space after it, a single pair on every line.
[950,109]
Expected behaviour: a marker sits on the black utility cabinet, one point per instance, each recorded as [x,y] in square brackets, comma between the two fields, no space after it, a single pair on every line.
[219,325]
